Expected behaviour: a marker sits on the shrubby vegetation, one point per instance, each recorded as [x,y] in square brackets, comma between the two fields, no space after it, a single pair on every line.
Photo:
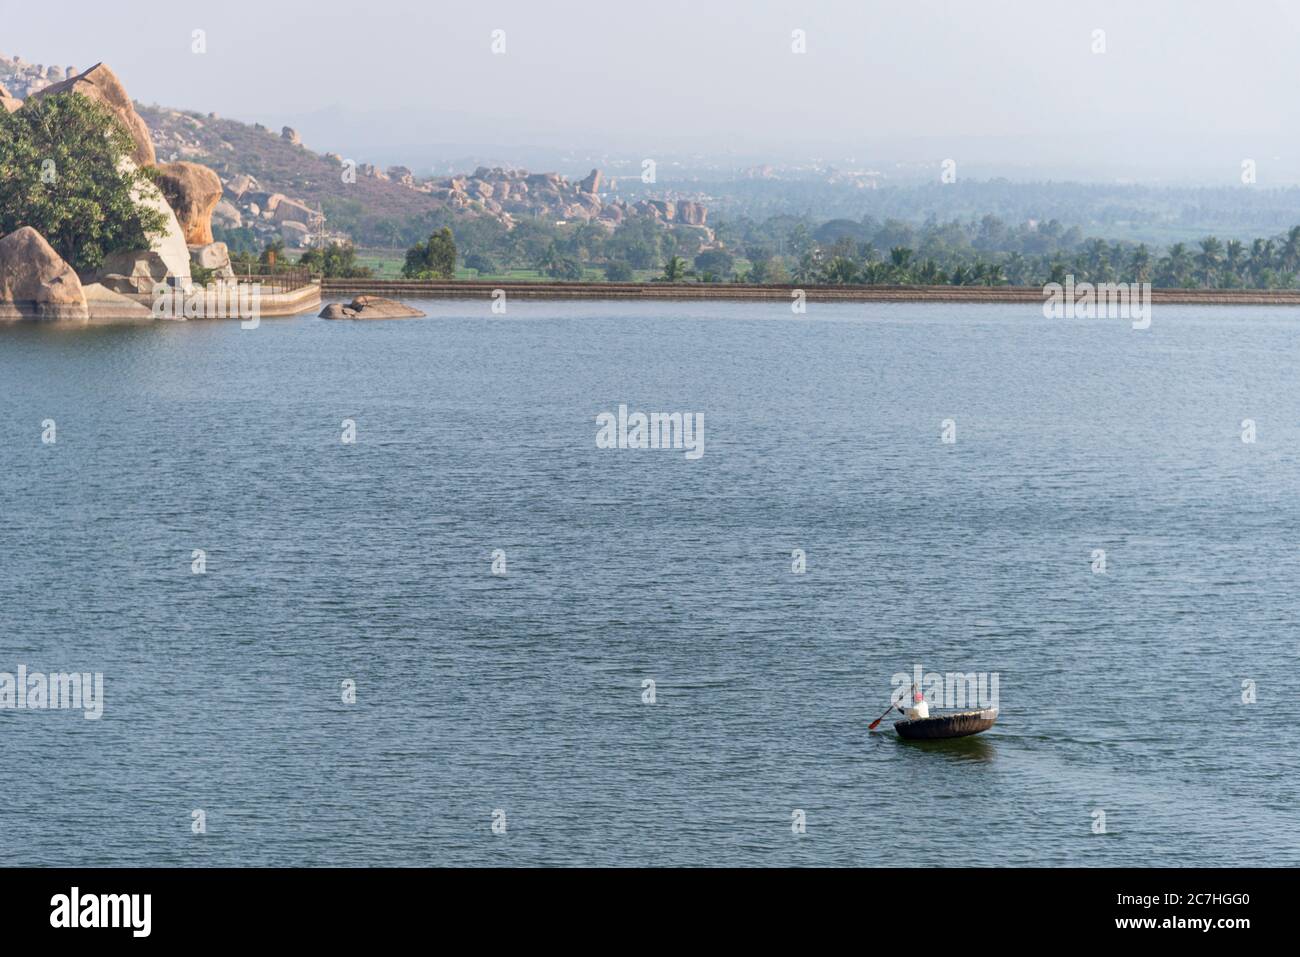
[335,261]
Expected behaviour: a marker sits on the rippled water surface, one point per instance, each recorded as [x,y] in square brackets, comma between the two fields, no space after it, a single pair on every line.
[372,562]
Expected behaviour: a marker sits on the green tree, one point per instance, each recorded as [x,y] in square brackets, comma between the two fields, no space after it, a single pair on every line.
[435,259]
[716,261]
[900,264]
[62,173]
[1141,264]
[336,261]
[675,269]
[1210,261]
[841,271]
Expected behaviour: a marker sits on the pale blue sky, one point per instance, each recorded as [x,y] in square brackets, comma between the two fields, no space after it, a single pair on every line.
[714,76]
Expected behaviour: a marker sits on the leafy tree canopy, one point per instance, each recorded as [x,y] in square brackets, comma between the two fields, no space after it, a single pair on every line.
[61,172]
[435,259]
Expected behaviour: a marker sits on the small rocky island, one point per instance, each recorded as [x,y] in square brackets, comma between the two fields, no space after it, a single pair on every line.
[370,307]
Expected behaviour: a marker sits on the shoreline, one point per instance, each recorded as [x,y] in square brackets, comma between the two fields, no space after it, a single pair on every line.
[480,289]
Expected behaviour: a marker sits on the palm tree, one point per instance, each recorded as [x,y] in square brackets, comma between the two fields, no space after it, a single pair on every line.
[674,269]
[1262,253]
[1016,269]
[841,271]
[1210,261]
[1289,257]
[900,258]
[930,274]
[1097,255]
[1176,266]
[809,269]
[1141,264]
[1233,261]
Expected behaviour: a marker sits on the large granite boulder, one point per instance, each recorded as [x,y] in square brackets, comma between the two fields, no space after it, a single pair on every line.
[8,101]
[214,257]
[692,214]
[133,272]
[193,192]
[35,282]
[227,214]
[591,184]
[242,184]
[170,245]
[294,234]
[101,84]
[370,307]
[287,210]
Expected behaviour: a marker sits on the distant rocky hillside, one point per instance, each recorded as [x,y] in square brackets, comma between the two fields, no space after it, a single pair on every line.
[22,79]
[275,187]
[259,167]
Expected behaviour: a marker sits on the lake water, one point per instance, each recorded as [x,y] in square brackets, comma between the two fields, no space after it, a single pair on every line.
[476,693]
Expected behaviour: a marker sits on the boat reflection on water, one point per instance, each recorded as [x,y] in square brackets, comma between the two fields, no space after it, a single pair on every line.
[970,748]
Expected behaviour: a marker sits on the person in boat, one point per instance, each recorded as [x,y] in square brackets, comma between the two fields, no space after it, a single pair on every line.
[920,707]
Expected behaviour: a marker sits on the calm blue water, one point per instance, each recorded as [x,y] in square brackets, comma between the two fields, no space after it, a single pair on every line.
[371,562]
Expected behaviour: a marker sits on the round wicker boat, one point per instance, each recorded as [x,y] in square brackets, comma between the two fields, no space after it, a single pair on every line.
[958,724]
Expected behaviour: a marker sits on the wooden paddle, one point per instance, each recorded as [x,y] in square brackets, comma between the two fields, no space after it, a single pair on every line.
[872,726]
[892,706]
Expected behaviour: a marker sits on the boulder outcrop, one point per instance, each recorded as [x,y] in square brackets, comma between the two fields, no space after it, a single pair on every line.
[193,192]
[227,214]
[101,84]
[35,282]
[8,101]
[170,245]
[370,307]
[133,272]
[591,184]
[214,257]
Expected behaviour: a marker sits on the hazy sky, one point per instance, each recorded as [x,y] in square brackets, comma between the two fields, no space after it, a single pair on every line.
[1181,82]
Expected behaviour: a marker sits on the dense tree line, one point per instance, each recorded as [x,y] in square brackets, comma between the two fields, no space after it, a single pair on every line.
[788,249]
[991,252]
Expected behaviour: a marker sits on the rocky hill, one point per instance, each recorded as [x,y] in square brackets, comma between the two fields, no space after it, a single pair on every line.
[276,187]
[261,168]
[22,79]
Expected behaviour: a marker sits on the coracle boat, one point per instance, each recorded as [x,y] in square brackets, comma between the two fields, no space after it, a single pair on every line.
[958,724]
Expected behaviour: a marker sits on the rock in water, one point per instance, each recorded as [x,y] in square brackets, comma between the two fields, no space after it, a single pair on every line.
[101,84]
[193,192]
[35,282]
[370,307]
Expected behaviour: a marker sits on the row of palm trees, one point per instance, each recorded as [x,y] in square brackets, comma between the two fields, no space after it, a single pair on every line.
[1210,264]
